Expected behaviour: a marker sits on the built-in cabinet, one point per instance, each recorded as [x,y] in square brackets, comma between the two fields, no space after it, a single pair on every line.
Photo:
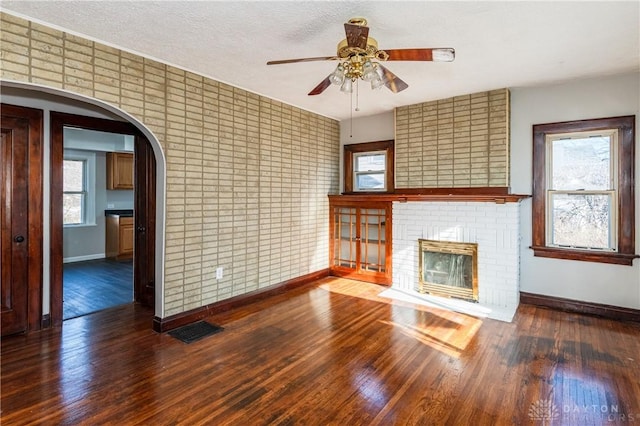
[119,170]
[360,239]
[120,233]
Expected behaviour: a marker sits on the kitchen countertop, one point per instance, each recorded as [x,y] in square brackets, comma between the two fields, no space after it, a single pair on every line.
[121,212]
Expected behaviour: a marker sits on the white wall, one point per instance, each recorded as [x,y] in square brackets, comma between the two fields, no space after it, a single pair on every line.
[577,100]
[372,128]
[87,242]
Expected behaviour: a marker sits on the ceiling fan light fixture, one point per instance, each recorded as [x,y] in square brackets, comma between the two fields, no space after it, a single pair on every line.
[376,82]
[368,71]
[347,86]
[337,77]
[360,59]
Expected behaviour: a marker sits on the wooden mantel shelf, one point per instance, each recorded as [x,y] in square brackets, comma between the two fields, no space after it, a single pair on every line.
[498,195]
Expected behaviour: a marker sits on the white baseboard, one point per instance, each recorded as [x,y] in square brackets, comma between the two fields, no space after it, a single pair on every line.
[83,258]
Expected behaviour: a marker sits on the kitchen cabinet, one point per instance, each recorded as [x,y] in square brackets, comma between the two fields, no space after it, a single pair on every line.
[360,239]
[119,170]
[120,237]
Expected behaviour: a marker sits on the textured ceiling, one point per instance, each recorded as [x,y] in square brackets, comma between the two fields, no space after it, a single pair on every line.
[498,44]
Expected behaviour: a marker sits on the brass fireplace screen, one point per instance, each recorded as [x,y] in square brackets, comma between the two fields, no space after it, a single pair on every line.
[448,269]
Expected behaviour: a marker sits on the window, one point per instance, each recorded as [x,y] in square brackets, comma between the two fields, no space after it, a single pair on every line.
[368,167]
[583,206]
[78,201]
[369,171]
[75,192]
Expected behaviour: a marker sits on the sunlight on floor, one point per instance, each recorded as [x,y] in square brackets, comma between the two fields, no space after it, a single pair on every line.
[446,330]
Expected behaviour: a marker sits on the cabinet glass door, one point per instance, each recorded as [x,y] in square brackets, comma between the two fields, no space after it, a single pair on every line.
[345,244]
[372,238]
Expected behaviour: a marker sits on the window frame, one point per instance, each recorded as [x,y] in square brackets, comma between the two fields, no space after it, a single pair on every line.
[350,152]
[89,202]
[623,156]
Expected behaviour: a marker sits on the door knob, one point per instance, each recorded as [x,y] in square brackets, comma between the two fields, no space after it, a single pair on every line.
[18,239]
[141,229]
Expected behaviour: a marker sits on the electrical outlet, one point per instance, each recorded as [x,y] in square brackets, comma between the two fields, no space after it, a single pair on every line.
[219,273]
[110,206]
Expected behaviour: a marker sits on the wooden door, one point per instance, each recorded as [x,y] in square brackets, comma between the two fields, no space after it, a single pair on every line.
[20,220]
[145,222]
[13,213]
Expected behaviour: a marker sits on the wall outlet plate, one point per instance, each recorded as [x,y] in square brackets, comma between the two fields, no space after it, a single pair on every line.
[219,272]
[110,206]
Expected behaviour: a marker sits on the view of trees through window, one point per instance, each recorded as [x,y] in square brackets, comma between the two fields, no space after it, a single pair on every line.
[581,192]
[74,192]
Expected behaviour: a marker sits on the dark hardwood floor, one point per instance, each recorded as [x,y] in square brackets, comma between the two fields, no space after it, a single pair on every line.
[94,285]
[329,353]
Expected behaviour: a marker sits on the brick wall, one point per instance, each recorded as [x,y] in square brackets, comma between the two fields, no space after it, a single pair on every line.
[247,176]
[455,142]
[495,227]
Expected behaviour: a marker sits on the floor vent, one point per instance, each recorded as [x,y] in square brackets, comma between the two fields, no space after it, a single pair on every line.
[194,332]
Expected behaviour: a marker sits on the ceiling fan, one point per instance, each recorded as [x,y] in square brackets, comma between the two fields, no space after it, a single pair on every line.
[360,59]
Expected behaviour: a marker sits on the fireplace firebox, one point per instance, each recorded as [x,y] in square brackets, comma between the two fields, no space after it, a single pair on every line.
[448,269]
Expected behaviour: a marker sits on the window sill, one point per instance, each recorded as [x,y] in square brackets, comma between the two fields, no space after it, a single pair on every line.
[584,255]
[80,225]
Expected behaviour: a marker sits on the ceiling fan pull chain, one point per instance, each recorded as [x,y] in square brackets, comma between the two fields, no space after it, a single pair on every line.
[357,97]
[351,117]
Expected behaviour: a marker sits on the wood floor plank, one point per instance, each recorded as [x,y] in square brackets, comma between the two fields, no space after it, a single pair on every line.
[331,352]
[93,285]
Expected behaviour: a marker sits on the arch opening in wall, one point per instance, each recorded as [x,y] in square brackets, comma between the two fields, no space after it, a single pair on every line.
[51,100]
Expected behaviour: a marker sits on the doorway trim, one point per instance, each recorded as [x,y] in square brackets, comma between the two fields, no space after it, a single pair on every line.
[160,176]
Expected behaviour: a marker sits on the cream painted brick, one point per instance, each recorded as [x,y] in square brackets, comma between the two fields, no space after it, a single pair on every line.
[462,124]
[205,127]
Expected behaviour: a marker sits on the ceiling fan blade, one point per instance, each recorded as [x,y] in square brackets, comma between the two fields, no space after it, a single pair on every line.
[392,81]
[321,87]
[290,61]
[356,35]
[445,54]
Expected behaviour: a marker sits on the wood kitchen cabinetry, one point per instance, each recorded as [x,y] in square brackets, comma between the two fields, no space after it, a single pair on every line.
[120,233]
[119,170]
[360,239]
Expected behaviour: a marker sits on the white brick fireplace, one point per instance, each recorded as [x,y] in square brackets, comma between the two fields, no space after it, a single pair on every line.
[494,227]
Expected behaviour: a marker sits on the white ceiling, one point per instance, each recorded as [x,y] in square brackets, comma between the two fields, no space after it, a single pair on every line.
[498,44]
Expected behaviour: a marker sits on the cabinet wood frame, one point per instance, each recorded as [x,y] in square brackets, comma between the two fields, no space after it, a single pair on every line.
[358,273]
[120,166]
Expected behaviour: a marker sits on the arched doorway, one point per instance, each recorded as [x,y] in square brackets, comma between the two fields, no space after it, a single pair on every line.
[150,191]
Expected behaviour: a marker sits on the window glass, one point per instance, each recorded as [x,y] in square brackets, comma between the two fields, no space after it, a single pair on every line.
[370,162]
[370,171]
[72,209]
[74,192]
[73,179]
[581,220]
[370,181]
[582,163]
[582,191]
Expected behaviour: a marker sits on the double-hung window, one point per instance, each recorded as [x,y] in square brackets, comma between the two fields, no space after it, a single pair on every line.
[78,199]
[583,206]
[369,171]
[368,167]
[582,195]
